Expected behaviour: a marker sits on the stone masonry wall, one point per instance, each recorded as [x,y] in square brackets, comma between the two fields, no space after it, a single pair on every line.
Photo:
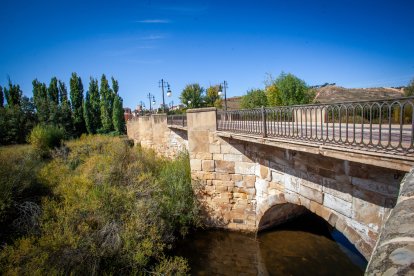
[242,181]
[152,132]
[394,251]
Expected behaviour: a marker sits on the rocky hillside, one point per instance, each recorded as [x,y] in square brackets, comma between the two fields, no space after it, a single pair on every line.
[335,94]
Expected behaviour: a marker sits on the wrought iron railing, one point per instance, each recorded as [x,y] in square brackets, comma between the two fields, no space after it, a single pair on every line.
[370,125]
[177,120]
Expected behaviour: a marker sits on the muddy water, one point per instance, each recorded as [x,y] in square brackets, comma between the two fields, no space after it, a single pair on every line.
[302,247]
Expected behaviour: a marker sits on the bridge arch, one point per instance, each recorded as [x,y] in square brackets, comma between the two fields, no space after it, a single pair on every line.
[277,209]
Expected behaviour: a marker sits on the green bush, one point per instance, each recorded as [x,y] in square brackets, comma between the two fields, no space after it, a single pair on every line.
[45,137]
[114,212]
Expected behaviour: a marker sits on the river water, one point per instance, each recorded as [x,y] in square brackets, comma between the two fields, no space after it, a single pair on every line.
[305,246]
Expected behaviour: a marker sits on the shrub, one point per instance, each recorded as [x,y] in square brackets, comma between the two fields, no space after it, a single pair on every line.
[108,214]
[45,137]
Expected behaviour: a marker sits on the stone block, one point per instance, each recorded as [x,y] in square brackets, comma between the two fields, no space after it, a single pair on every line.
[236,177]
[223,176]
[249,180]
[204,156]
[223,183]
[244,168]
[207,165]
[214,148]
[195,164]
[312,185]
[224,166]
[277,176]
[292,197]
[373,186]
[338,205]
[232,157]
[367,213]
[198,141]
[226,148]
[218,156]
[292,183]
[208,176]
[262,172]
[305,202]
[337,189]
[261,186]
[311,194]
[320,210]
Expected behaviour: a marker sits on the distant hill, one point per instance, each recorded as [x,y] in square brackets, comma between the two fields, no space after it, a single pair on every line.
[335,94]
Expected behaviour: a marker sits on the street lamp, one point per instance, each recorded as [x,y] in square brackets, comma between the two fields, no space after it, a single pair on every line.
[163,84]
[151,99]
[222,87]
[189,102]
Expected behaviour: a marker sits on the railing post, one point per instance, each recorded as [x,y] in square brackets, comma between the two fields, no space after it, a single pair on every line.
[182,119]
[264,122]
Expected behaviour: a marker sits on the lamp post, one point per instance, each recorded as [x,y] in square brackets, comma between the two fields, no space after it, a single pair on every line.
[151,99]
[163,84]
[188,103]
[223,86]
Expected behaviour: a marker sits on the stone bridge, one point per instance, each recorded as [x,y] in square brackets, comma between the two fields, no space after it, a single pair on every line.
[251,183]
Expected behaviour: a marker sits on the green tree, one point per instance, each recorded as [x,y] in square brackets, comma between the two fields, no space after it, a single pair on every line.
[41,101]
[253,99]
[53,101]
[95,104]
[87,113]
[17,118]
[1,97]
[292,90]
[409,90]
[192,95]
[65,110]
[106,107]
[118,115]
[212,97]
[76,98]
[13,94]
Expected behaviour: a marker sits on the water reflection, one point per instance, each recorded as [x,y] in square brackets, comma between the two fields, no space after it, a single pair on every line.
[287,250]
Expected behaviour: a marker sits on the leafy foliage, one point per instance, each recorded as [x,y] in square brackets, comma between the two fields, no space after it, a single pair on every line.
[118,119]
[76,98]
[1,97]
[192,95]
[254,98]
[409,90]
[46,137]
[288,89]
[106,106]
[113,210]
[212,97]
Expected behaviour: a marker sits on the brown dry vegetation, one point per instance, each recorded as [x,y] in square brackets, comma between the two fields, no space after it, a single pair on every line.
[97,206]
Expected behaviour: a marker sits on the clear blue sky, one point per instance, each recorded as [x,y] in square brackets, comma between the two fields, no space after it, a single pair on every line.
[353,43]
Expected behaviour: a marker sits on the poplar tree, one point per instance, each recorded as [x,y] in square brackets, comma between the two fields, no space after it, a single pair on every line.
[106,107]
[65,110]
[76,98]
[91,108]
[53,101]
[95,104]
[87,113]
[41,102]
[13,94]
[118,115]
[1,97]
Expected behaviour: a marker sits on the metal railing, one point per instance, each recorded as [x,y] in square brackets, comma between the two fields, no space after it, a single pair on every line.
[177,120]
[382,125]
